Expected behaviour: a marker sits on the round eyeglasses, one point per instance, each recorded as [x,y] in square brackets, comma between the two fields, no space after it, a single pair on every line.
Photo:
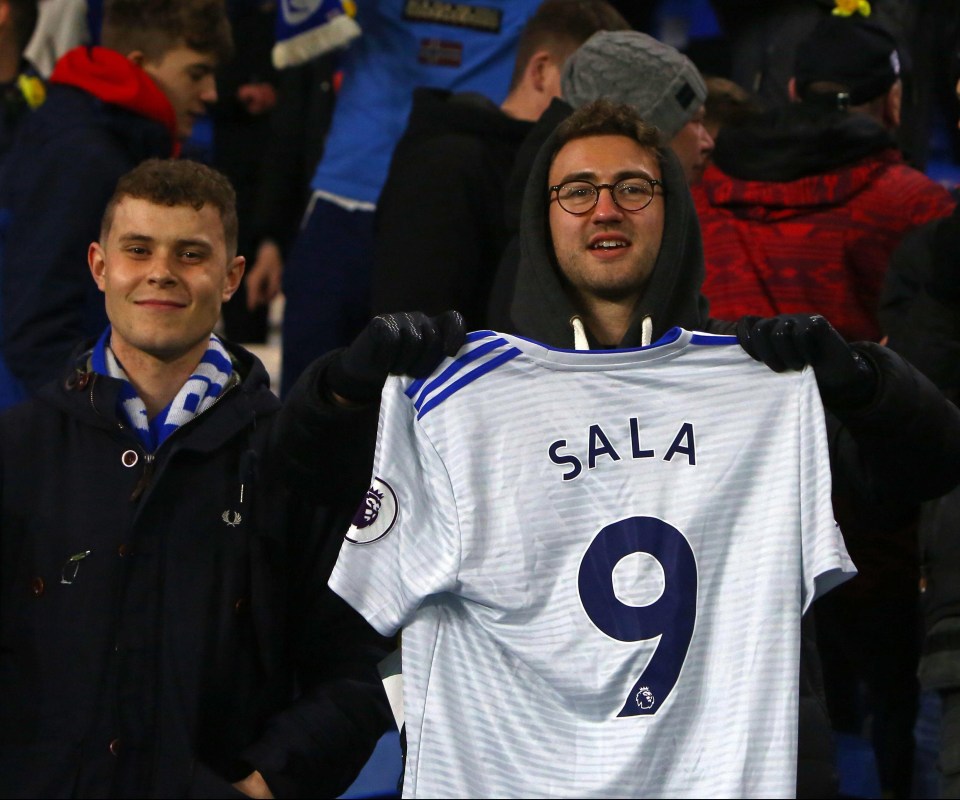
[579,197]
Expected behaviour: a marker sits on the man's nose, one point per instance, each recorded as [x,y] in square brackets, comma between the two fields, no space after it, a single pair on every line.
[706,140]
[606,207]
[208,89]
[161,272]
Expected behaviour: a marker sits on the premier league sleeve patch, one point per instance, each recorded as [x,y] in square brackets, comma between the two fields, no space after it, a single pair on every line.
[376,515]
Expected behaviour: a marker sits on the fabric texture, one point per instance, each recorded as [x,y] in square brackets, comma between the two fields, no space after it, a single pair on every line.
[17,99]
[800,213]
[51,203]
[634,68]
[201,391]
[112,78]
[455,223]
[485,611]
[164,620]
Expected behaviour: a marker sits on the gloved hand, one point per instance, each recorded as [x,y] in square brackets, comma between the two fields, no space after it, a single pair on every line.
[847,381]
[403,343]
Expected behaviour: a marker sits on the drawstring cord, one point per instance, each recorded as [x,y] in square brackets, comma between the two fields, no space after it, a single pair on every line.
[580,333]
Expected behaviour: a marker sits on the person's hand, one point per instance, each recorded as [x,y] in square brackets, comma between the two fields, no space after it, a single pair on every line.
[409,343]
[254,786]
[263,279]
[257,98]
[846,379]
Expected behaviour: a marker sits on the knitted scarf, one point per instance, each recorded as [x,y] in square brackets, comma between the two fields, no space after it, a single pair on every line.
[195,396]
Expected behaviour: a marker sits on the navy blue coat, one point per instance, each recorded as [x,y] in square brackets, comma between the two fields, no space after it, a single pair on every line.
[165,624]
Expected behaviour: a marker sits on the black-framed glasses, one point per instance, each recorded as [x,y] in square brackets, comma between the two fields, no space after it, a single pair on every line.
[580,197]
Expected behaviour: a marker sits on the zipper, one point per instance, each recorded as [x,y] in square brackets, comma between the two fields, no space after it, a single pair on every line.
[150,458]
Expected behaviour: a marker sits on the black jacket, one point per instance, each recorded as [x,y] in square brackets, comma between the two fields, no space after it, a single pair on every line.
[439,226]
[165,624]
[920,312]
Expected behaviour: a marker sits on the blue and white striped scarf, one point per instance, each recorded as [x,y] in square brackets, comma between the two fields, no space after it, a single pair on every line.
[195,396]
[306,29]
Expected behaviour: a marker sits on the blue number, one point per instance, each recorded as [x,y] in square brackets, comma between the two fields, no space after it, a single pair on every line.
[672,616]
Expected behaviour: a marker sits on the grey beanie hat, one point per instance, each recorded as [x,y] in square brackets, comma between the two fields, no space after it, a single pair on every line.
[634,68]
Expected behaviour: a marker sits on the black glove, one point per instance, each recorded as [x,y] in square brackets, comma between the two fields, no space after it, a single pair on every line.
[404,343]
[847,381]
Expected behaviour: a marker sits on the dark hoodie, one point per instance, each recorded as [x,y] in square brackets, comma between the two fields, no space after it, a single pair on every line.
[801,213]
[885,458]
[439,226]
[540,307]
[103,116]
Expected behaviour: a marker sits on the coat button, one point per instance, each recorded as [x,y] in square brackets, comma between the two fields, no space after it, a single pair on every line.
[82,380]
[240,605]
[123,550]
[115,747]
[129,458]
[36,586]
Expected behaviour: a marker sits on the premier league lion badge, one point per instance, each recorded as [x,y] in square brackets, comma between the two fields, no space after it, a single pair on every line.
[375,516]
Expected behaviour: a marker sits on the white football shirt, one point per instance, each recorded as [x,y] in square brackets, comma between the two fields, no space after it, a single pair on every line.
[599,561]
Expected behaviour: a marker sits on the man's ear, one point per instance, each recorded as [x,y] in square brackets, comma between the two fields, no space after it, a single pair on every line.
[234,276]
[536,70]
[892,104]
[98,265]
[4,12]
[792,90]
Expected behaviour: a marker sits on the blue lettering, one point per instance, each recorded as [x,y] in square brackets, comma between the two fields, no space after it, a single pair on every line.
[604,448]
[635,440]
[560,460]
[689,449]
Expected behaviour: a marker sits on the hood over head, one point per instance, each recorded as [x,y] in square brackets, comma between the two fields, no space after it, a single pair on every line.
[542,310]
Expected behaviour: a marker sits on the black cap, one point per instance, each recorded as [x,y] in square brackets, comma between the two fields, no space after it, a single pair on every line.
[859,55]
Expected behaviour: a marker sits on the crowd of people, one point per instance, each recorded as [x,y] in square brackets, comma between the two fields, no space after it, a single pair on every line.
[531,256]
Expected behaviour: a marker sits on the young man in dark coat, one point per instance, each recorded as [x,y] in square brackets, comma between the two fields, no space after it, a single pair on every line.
[894,440]
[620,279]
[108,108]
[165,626]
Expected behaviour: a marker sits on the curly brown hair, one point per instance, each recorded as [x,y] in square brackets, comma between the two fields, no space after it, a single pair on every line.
[605,118]
[177,182]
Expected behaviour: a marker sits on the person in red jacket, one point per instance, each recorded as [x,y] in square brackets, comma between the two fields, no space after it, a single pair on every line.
[800,214]
[805,204]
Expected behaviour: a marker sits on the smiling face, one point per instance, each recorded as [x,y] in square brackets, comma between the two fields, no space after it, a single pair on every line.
[186,77]
[165,272]
[607,253]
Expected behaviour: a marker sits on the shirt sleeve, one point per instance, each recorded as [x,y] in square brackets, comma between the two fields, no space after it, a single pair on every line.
[826,563]
[404,543]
